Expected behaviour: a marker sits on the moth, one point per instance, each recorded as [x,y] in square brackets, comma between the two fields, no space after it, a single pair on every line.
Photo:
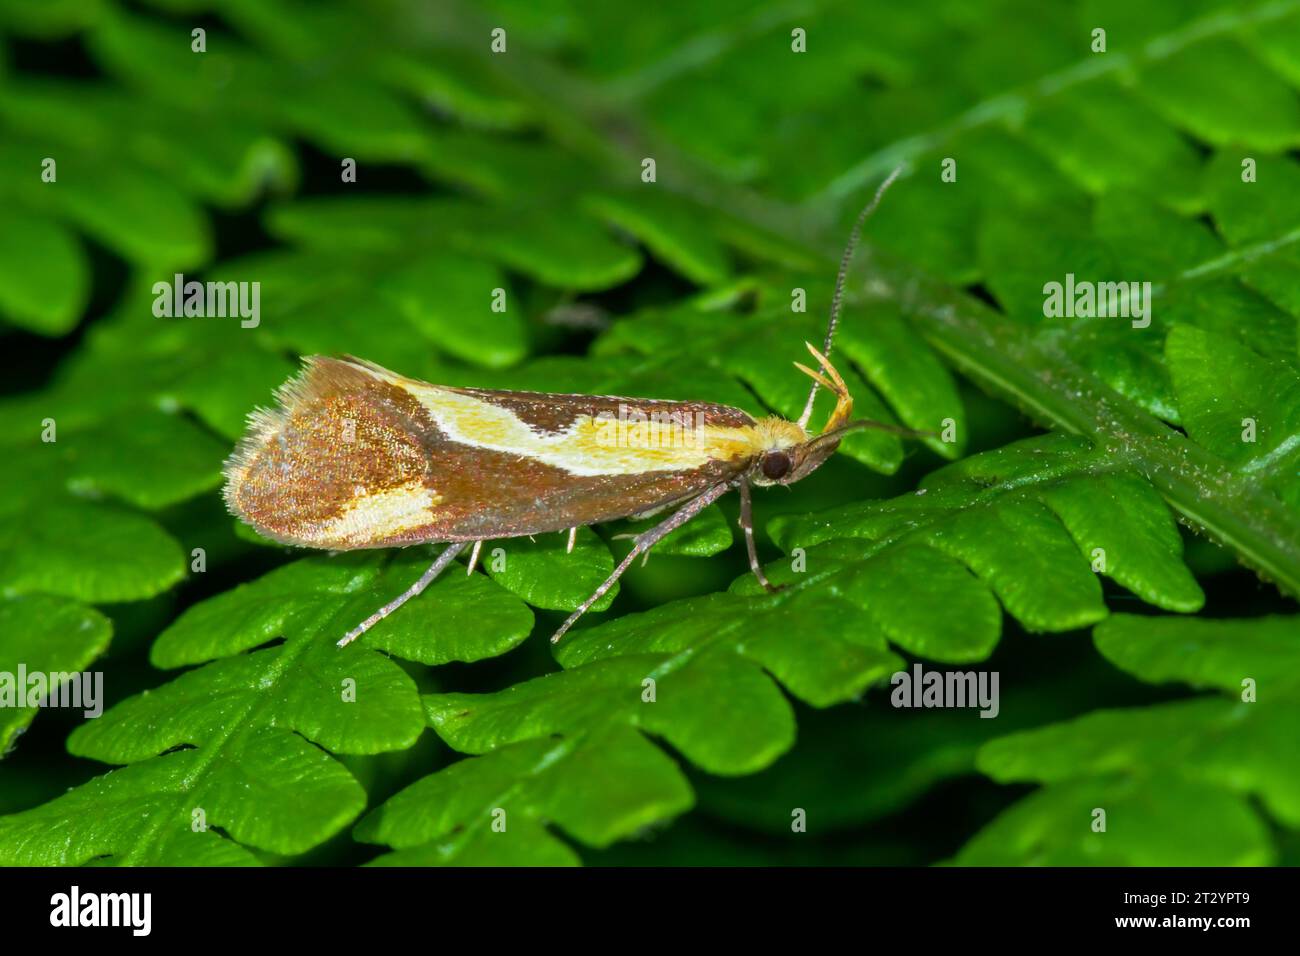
[357,456]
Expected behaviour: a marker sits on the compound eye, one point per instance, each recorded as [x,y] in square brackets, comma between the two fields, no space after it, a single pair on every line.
[775,465]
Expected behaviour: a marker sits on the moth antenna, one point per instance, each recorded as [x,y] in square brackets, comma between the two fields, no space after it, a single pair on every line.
[845,260]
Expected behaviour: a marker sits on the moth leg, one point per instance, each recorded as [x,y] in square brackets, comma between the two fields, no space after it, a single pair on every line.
[632,537]
[747,525]
[573,538]
[643,543]
[414,590]
[473,557]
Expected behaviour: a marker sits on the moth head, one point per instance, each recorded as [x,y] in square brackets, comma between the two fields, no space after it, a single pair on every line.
[788,453]
[785,452]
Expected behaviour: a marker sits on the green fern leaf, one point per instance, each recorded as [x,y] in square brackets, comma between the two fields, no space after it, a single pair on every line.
[236,745]
[1166,159]
[1199,760]
[44,635]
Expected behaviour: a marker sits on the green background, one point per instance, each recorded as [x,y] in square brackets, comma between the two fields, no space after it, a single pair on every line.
[522,170]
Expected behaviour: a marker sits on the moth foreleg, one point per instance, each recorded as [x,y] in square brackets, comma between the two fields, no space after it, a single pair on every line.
[438,566]
[643,543]
[747,526]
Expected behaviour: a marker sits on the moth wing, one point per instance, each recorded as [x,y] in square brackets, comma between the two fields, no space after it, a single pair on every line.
[359,457]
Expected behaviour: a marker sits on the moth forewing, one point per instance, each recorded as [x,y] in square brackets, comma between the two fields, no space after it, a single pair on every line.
[357,456]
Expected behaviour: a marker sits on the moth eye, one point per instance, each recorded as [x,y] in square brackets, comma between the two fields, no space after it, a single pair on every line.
[775,465]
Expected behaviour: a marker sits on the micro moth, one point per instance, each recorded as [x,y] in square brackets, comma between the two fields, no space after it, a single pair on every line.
[356,456]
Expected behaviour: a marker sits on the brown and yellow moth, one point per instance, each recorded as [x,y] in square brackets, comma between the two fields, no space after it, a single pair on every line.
[357,456]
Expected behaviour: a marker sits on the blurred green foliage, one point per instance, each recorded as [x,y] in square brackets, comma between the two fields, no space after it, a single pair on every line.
[521,170]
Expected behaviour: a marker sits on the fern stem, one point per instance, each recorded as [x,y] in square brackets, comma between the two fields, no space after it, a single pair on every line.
[1004,357]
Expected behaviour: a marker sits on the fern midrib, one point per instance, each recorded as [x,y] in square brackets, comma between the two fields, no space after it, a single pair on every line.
[1201,487]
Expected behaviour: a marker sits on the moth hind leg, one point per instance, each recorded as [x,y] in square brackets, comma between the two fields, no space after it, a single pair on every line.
[438,566]
[642,544]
